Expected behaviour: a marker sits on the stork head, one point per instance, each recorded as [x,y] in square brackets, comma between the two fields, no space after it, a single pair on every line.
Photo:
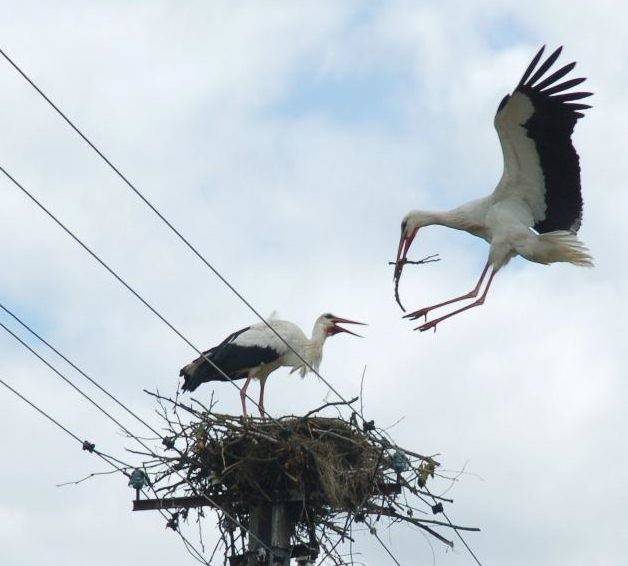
[329,324]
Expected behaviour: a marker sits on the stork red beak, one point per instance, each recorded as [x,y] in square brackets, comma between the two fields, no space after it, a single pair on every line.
[335,329]
[404,247]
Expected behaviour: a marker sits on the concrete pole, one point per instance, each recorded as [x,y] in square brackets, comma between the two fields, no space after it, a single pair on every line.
[270,523]
[281,530]
[260,529]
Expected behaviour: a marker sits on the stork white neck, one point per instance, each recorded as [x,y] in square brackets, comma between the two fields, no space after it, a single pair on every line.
[468,217]
[311,349]
[314,347]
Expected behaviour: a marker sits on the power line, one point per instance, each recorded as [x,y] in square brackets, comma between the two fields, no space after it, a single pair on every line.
[153,310]
[177,232]
[122,281]
[186,241]
[90,447]
[86,444]
[374,532]
[64,378]
[139,297]
[131,435]
[79,370]
[94,382]
[131,290]
[189,245]
[189,546]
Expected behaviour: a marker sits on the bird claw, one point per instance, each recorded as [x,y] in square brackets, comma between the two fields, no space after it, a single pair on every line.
[417,314]
[427,326]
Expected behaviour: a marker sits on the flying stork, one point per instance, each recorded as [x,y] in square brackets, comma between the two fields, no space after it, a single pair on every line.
[536,209]
[256,351]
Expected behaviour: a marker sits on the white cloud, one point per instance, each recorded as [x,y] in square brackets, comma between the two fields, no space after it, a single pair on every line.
[302,213]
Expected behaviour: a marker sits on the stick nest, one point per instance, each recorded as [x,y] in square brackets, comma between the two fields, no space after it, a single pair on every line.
[324,461]
[330,472]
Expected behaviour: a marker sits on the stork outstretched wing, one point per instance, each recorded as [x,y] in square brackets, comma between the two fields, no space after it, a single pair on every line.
[541,166]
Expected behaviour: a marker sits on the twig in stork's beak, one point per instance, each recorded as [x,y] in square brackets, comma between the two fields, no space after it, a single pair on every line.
[399,264]
[404,245]
[336,329]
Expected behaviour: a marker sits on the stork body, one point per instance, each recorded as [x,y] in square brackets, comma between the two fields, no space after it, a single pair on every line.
[256,351]
[536,209]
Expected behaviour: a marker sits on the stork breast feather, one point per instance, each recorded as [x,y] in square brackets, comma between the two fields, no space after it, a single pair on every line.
[523,176]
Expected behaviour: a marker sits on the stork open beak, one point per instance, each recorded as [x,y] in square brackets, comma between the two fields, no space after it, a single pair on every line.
[335,329]
[404,247]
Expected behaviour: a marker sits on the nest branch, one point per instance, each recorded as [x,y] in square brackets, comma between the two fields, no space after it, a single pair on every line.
[329,472]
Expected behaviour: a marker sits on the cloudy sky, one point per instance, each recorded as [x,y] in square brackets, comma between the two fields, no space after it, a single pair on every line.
[287,140]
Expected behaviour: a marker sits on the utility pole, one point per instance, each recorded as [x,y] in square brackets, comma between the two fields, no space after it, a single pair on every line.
[270,527]
[281,491]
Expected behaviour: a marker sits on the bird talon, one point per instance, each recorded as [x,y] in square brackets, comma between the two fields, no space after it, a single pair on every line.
[427,326]
[417,314]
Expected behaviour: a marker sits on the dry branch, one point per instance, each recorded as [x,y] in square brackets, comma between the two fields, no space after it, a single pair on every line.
[331,473]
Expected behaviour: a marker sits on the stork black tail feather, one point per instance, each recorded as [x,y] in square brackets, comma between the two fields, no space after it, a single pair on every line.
[201,371]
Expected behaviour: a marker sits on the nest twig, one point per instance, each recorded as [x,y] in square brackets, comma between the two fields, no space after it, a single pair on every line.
[329,471]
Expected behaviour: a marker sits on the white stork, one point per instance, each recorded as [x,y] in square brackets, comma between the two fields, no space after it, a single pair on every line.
[536,209]
[256,351]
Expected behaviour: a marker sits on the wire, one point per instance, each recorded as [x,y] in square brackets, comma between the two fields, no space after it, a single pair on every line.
[79,370]
[46,415]
[64,378]
[154,311]
[123,282]
[477,560]
[186,241]
[189,245]
[374,532]
[131,435]
[191,548]
[88,446]
[134,292]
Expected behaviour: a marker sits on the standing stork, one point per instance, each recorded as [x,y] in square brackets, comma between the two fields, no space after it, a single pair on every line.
[536,209]
[256,351]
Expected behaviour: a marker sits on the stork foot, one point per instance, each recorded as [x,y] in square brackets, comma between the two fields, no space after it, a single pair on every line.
[418,314]
[428,326]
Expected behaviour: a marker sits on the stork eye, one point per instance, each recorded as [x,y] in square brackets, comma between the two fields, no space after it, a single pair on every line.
[404,225]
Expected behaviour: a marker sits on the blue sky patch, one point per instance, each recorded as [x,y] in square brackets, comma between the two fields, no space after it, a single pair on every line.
[368,97]
[505,31]
[39,322]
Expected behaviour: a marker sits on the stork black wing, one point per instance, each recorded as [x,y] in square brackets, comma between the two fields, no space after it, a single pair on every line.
[227,361]
[550,127]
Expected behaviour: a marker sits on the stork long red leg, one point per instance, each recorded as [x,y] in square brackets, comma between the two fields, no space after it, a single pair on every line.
[243,394]
[470,295]
[262,411]
[480,301]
